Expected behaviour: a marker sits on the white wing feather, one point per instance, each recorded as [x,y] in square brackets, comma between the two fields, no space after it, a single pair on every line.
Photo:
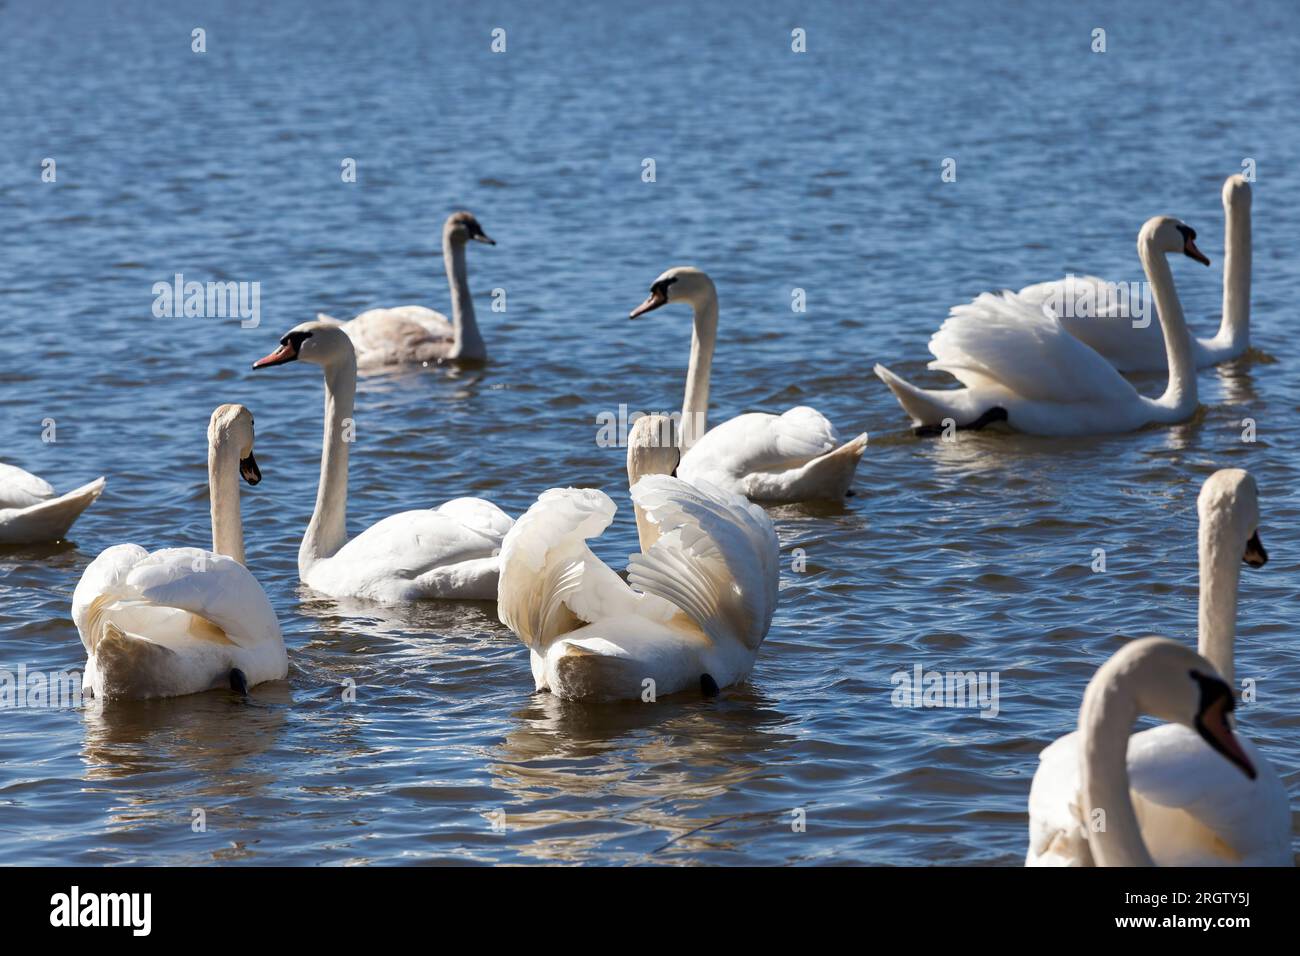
[408,544]
[1008,341]
[761,442]
[550,580]
[212,586]
[716,557]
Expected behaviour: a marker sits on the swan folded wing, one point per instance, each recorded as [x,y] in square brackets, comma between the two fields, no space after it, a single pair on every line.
[1008,341]
[550,580]
[399,330]
[1171,766]
[210,586]
[1057,836]
[105,577]
[22,489]
[716,557]
[480,514]
[802,433]
[408,544]
[758,442]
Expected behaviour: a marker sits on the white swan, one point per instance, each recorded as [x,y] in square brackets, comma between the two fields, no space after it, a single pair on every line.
[1092,804]
[1021,367]
[447,552]
[413,333]
[31,513]
[1189,812]
[697,603]
[1112,334]
[184,620]
[796,456]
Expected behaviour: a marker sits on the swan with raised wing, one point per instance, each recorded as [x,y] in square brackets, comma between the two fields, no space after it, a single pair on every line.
[31,512]
[416,334]
[1111,333]
[795,456]
[183,620]
[444,552]
[1019,366]
[697,602]
[1189,811]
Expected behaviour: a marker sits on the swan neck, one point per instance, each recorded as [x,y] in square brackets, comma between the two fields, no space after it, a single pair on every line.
[1180,395]
[327,530]
[1234,328]
[695,406]
[468,343]
[1217,604]
[1106,720]
[223,496]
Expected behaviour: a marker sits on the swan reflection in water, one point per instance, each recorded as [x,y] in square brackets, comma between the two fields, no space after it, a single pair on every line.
[1236,384]
[576,777]
[155,760]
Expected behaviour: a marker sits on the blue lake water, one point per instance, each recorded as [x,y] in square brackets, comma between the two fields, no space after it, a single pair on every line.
[773,171]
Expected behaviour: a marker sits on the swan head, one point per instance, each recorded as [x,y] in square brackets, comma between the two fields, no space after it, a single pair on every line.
[1169,235]
[652,448]
[462,227]
[232,425]
[321,343]
[1175,684]
[679,284]
[1228,508]
[1236,192]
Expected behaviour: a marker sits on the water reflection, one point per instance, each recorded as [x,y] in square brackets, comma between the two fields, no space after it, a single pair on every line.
[579,775]
[1236,384]
[211,734]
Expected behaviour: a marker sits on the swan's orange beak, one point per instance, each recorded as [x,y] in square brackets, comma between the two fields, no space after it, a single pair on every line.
[285,353]
[1212,724]
[657,298]
[1190,250]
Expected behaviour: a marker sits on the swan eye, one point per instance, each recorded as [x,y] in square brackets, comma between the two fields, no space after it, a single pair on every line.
[295,339]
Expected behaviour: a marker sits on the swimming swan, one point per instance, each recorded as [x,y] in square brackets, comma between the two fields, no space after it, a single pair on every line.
[1190,813]
[1021,367]
[184,620]
[697,603]
[1112,334]
[445,552]
[795,456]
[413,333]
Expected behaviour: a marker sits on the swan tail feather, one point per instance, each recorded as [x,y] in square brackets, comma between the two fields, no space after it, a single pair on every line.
[329,319]
[928,408]
[49,520]
[831,474]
